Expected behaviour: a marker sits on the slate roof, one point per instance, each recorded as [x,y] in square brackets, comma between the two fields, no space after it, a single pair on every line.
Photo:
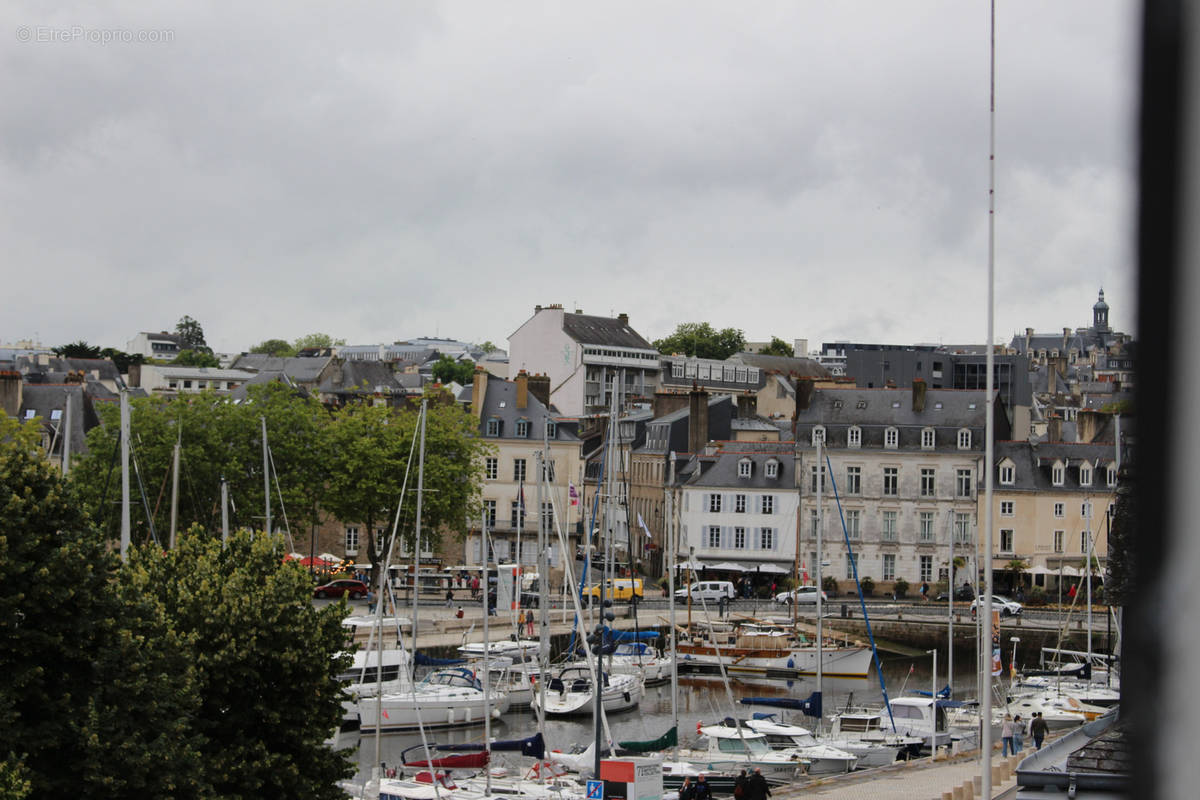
[106,369]
[300,369]
[875,410]
[784,365]
[1034,461]
[723,471]
[356,377]
[586,329]
[45,399]
[500,402]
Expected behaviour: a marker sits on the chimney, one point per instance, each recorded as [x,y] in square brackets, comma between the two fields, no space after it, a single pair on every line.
[747,405]
[522,389]
[623,318]
[1054,428]
[804,393]
[1052,376]
[478,392]
[669,402]
[1088,424]
[10,392]
[697,420]
[1066,336]
[918,395]
[1028,339]
[539,387]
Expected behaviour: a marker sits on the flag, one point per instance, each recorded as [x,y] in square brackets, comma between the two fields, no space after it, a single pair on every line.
[997,669]
[912,668]
[804,571]
[642,523]
[385,714]
[573,494]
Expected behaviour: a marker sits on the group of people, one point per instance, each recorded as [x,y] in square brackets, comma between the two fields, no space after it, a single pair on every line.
[1013,730]
[745,787]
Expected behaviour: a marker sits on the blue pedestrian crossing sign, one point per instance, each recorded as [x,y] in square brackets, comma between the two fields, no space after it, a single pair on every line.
[595,790]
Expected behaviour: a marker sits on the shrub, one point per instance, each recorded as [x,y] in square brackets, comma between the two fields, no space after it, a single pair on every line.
[1037,596]
[830,585]
[900,587]
[868,585]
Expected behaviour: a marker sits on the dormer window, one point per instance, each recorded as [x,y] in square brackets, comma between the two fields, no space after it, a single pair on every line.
[1112,475]
[818,434]
[1008,473]
[551,429]
[891,438]
[1058,474]
[522,429]
[493,427]
[964,439]
[744,468]
[927,439]
[772,469]
[854,436]
[1085,475]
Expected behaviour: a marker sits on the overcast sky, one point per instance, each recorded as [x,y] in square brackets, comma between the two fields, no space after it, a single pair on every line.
[379,171]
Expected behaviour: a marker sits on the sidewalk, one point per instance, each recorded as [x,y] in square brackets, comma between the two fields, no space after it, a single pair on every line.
[922,779]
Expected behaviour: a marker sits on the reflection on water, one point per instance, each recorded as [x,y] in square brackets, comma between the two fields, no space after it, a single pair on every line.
[702,699]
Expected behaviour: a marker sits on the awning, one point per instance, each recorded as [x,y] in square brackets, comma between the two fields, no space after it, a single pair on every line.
[729,566]
[1040,570]
[692,565]
[774,569]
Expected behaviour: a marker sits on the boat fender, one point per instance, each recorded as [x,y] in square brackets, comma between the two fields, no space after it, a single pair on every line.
[627,697]
[791,663]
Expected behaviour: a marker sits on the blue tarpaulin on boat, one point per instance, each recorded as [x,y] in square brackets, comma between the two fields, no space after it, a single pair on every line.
[631,636]
[429,661]
[534,746]
[811,706]
[943,693]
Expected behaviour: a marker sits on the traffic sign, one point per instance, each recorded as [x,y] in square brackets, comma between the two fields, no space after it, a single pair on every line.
[595,790]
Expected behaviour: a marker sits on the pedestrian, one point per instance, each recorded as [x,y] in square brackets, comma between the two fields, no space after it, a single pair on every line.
[1038,730]
[529,624]
[1071,593]
[449,597]
[741,785]
[686,790]
[925,590]
[756,787]
[459,613]
[703,790]
[1006,736]
[1018,733]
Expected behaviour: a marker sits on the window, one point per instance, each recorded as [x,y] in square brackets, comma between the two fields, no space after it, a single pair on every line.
[523,428]
[1085,509]
[1085,475]
[1059,536]
[926,568]
[768,504]
[739,503]
[551,429]
[677,370]
[1006,540]
[714,502]
[491,468]
[548,468]
[889,566]
[493,427]
[187,384]
[1057,474]
[964,439]
[766,539]
[818,434]
[927,439]
[962,528]
[489,513]
[853,480]
[772,469]
[854,436]
[963,483]
[518,469]
[813,478]
[739,538]
[925,531]
[928,488]
[1060,510]
[889,526]
[850,559]
[518,514]
[744,468]
[56,414]
[891,481]
[812,522]
[1083,541]
[1112,475]
[1006,508]
[351,541]
[854,524]
[548,515]
[1008,474]
[891,438]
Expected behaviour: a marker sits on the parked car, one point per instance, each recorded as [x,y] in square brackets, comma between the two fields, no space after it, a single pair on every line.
[1006,607]
[962,593]
[615,589]
[801,595]
[708,591]
[341,588]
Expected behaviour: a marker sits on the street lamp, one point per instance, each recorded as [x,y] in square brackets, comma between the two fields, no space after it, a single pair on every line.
[1012,665]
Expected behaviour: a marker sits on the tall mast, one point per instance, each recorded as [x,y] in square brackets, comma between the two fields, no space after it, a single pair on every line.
[266,474]
[224,510]
[417,530]
[543,568]
[126,525]
[487,661]
[672,545]
[820,527]
[175,488]
[67,425]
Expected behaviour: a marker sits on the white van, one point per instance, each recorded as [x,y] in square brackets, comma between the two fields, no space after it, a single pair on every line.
[708,591]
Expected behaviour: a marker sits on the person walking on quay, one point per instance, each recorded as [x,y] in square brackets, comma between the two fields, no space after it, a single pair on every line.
[703,790]
[741,785]
[1038,730]
[449,598]
[756,787]
[529,623]
[1006,736]
[686,790]
[1018,733]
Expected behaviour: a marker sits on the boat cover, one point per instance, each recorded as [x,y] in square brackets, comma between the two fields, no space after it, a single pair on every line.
[429,661]
[668,739]
[811,706]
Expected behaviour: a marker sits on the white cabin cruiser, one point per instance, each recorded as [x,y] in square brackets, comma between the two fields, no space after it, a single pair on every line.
[729,749]
[569,692]
[446,698]
[824,758]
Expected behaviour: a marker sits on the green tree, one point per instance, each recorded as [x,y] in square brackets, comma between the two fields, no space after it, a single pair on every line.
[191,335]
[488,347]
[446,369]
[317,340]
[121,359]
[79,349]
[196,358]
[701,340]
[1123,530]
[778,347]
[274,347]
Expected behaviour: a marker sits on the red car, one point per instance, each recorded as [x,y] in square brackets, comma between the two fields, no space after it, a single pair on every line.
[342,588]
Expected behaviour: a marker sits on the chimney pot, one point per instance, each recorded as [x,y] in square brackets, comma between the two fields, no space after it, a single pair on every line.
[522,389]
[918,395]
[623,318]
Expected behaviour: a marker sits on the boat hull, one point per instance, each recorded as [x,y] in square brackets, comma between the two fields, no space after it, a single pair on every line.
[839,662]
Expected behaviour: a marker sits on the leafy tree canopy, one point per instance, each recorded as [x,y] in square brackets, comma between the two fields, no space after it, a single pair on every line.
[274,347]
[778,347]
[488,347]
[701,340]
[79,349]
[317,340]
[121,358]
[191,335]
[196,358]
[446,369]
